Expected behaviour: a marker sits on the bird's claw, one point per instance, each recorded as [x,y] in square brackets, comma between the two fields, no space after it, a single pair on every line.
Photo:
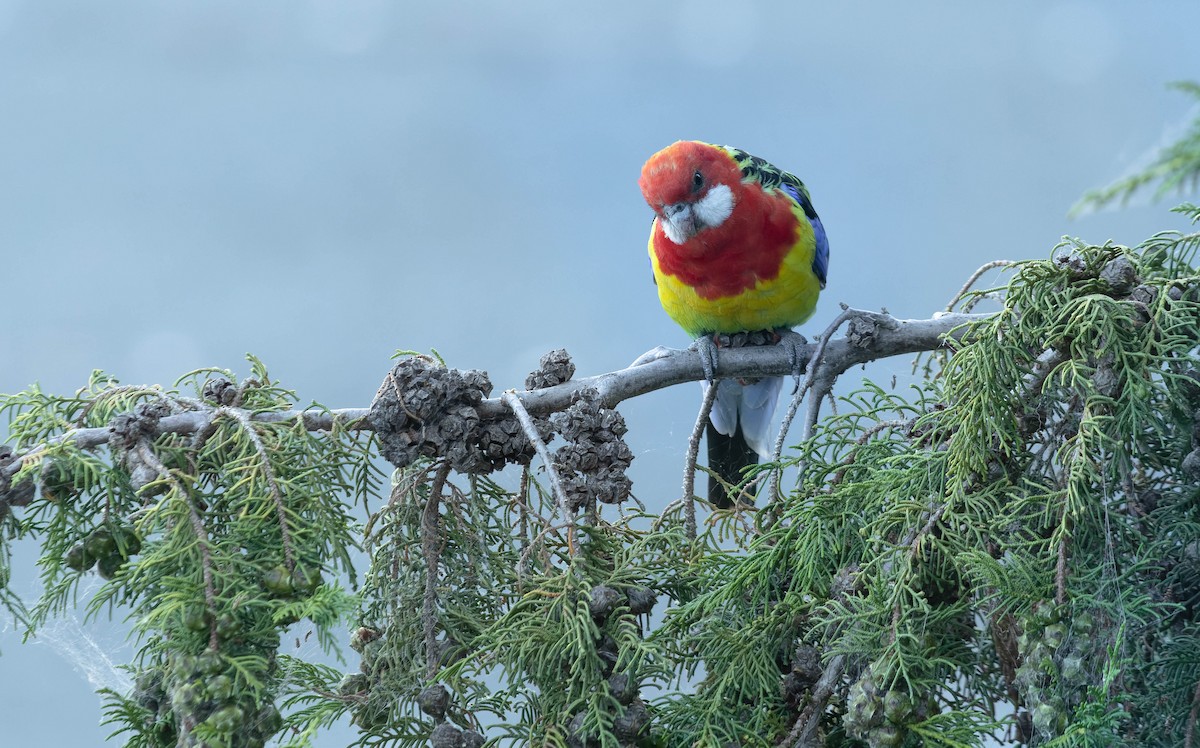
[706,347]
[795,344]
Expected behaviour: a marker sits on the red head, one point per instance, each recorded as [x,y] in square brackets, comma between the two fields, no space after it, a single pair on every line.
[691,186]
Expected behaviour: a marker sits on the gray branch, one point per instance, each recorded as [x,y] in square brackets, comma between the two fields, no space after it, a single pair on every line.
[656,370]
[665,367]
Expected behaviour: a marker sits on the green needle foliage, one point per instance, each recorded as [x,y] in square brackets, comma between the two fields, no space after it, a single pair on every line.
[1011,535]
[212,543]
[1007,551]
[1176,168]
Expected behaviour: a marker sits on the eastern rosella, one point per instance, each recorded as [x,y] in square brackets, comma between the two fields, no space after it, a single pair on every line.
[736,246]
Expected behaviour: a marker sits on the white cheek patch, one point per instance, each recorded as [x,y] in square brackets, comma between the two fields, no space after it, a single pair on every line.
[712,209]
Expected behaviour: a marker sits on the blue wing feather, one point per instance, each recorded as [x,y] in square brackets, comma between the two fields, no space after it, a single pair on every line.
[820,263]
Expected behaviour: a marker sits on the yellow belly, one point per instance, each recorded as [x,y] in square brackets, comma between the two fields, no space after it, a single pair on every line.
[783,301]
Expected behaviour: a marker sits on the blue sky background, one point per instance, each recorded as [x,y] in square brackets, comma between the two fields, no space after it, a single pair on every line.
[322,182]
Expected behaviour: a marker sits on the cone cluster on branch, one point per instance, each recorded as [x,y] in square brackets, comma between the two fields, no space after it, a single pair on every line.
[593,462]
[424,409]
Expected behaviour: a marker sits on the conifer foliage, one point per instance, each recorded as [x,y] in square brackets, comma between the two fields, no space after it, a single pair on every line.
[1007,551]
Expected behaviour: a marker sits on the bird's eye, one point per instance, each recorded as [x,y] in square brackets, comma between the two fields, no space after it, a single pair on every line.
[697,180]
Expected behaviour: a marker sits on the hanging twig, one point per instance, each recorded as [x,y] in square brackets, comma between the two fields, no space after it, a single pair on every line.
[241,417]
[512,401]
[814,363]
[822,374]
[431,538]
[146,455]
[804,732]
[689,465]
[819,380]
[688,499]
[1060,573]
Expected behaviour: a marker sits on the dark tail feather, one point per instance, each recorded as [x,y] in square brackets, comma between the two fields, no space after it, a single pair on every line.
[728,456]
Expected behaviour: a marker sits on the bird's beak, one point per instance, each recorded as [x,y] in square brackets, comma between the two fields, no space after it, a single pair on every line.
[679,222]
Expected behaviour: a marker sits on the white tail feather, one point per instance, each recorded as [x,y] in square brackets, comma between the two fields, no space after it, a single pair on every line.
[753,404]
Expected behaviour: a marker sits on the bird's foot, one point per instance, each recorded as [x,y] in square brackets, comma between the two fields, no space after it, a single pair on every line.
[706,346]
[795,344]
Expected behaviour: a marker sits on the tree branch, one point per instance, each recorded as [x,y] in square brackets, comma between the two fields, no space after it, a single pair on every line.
[689,468]
[431,548]
[668,367]
[971,282]
[539,446]
[804,732]
[657,370]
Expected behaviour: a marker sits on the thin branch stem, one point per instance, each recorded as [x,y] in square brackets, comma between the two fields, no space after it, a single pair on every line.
[689,465]
[818,382]
[814,363]
[512,401]
[289,554]
[975,277]
[146,456]
[1060,573]
[538,543]
[1043,366]
[518,499]
[431,549]
[914,548]
[804,732]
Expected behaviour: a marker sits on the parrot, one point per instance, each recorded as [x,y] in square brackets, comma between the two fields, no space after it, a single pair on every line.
[735,247]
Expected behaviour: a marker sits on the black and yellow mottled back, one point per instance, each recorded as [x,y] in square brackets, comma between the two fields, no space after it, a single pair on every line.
[772,177]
